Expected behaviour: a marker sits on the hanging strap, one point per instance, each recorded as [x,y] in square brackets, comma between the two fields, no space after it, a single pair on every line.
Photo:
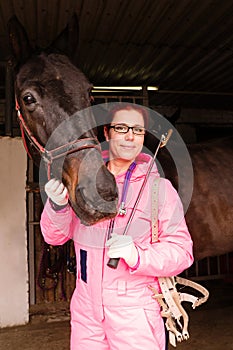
[154,210]
[170,299]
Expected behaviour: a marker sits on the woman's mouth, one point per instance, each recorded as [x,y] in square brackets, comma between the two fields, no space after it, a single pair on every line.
[129,147]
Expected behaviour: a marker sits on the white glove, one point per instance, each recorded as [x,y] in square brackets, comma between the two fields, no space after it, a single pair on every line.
[57,192]
[122,246]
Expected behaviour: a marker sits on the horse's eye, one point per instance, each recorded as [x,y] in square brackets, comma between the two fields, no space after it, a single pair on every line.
[29,99]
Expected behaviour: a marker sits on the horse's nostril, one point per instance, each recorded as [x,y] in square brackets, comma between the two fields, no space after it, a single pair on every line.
[107,194]
[106,184]
[92,195]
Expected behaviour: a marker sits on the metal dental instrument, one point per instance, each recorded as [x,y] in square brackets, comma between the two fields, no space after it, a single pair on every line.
[113,262]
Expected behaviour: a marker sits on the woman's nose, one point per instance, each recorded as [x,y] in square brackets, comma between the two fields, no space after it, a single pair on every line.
[129,135]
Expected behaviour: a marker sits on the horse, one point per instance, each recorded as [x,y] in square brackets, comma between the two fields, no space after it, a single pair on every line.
[210,211]
[53,102]
[202,174]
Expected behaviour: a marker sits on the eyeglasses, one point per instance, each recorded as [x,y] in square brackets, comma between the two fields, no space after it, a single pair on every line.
[123,129]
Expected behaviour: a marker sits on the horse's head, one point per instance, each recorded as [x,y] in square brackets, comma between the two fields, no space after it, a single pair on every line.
[53,96]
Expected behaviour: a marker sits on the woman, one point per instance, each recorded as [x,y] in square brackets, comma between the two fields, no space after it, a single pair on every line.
[113,308]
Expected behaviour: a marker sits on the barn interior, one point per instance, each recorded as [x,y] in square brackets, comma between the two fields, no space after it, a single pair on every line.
[184,50]
[175,57]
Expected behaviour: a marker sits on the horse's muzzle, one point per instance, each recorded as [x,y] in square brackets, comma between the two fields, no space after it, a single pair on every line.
[95,197]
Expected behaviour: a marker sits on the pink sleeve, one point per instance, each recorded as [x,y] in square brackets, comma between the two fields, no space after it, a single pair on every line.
[56,225]
[173,253]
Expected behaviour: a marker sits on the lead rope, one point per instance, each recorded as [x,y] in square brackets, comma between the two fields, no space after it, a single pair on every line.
[170,299]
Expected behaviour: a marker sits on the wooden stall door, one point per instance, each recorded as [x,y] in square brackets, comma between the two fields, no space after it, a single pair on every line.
[51,276]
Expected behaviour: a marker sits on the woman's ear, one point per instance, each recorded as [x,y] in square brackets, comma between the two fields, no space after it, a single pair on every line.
[106,133]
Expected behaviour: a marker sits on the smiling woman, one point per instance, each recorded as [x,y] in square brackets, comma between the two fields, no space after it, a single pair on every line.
[125,139]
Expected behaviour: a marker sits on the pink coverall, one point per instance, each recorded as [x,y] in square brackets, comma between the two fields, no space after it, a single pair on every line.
[113,309]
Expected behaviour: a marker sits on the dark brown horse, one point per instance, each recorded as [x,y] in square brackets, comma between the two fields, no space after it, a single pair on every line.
[50,91]
[210,212]
[202,174]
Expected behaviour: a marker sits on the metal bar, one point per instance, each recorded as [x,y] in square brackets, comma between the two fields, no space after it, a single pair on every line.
[120,97]
[213,271]
[187,92]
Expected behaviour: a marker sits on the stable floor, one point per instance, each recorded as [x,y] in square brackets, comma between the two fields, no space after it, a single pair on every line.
[211,326]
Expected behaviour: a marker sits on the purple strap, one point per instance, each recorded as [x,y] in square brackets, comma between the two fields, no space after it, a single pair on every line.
[122,210]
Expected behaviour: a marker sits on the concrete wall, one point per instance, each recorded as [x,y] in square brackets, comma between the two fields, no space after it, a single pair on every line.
[14,305]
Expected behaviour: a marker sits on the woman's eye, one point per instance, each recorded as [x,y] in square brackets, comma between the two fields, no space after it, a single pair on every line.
[138,129]
[121,127]
[29,99]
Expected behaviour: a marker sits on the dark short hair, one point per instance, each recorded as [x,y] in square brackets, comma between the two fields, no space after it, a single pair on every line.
[128,106]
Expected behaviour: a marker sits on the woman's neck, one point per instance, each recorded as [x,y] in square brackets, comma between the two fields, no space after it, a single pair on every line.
[116,166]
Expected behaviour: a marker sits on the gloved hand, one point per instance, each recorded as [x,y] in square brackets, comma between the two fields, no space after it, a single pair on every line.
[57,192]
[122,246]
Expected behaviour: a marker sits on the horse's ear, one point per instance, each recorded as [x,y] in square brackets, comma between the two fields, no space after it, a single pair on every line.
[67,41]
[18,40]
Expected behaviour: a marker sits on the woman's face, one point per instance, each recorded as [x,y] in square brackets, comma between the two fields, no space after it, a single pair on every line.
[125,147]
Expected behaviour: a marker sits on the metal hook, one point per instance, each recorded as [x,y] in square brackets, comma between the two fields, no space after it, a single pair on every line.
[165,138]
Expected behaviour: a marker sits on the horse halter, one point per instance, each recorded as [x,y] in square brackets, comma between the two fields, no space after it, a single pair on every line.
[50,155]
